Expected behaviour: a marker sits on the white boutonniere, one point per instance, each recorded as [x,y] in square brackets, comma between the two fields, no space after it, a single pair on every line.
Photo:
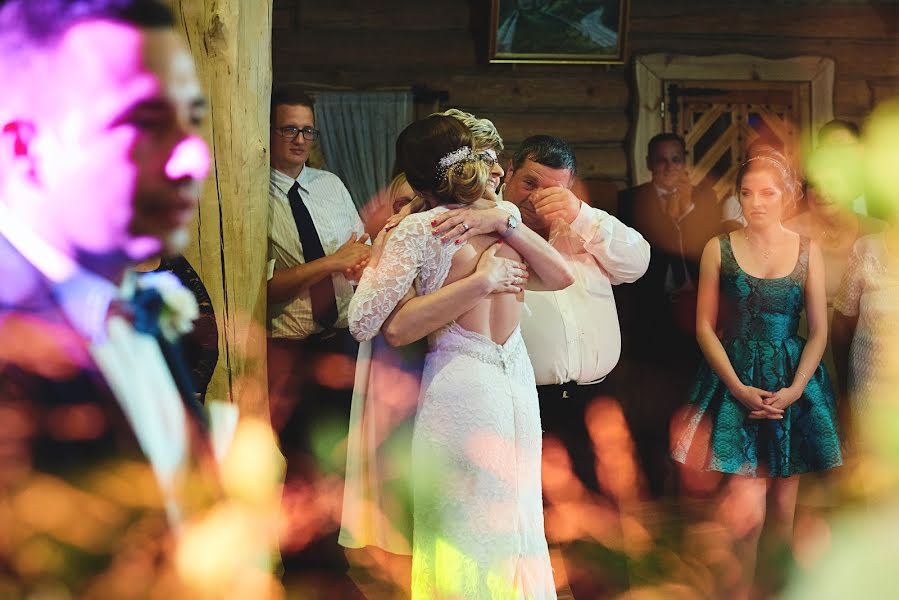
[178,309]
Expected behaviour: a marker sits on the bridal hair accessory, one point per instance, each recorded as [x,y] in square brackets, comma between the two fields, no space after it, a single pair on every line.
[456,159]
[771,160]
[790,181]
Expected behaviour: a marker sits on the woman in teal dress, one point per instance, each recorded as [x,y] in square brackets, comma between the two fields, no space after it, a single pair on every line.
[762,408]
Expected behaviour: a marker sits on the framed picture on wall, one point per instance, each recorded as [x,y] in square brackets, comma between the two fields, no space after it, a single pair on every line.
[558,31]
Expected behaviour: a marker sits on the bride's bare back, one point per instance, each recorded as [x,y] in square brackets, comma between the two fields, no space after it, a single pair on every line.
[497,315]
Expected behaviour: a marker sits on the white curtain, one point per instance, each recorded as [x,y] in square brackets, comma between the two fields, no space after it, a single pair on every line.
[359,131]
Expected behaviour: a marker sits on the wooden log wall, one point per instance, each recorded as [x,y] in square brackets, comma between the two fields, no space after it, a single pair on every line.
[230,43]
[441,44]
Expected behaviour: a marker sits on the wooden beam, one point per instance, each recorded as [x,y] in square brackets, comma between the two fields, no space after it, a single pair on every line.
[231,44]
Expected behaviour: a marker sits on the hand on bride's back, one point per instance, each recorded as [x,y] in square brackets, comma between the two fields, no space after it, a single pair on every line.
[501,275]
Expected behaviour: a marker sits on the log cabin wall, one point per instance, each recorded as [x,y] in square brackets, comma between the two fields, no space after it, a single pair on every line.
[442,45]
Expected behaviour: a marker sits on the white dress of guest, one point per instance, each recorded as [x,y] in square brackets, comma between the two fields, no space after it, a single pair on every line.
[476,445]
[869,290]
[377,499]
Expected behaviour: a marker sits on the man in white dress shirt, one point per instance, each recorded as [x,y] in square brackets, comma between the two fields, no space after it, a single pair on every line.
[316,246]
[572,335]
[100,168]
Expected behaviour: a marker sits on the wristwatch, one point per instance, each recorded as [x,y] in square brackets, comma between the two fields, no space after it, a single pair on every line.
[511,226]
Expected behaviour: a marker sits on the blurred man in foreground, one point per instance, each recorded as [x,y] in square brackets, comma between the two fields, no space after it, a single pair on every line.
[108,484]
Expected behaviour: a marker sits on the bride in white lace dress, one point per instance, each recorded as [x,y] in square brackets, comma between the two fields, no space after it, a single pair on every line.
[478,514]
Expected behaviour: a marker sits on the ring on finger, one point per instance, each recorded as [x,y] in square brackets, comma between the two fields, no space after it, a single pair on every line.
[466,226]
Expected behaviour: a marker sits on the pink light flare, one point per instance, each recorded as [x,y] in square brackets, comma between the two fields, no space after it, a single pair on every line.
[190,158]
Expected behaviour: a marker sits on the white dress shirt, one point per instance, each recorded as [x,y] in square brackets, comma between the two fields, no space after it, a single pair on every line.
[131,362]
[335,218]
[671,286]
[573,334]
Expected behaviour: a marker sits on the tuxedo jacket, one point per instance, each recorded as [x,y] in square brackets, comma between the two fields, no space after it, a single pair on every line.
[661,325]
[71,469]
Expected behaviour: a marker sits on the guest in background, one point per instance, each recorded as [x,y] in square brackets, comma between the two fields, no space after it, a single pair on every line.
[377,500]
[864,314]
[659,310]
[830,221]
[572,334]
[761,407]
[865,318]
[316,246]
[379,210]
[843,137]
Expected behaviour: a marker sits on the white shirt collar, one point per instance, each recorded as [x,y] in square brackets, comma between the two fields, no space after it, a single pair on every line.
[54,265]
[661,192]
[285,182]
[83,296]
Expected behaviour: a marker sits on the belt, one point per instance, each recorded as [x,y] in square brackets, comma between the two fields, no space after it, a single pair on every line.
[570,388]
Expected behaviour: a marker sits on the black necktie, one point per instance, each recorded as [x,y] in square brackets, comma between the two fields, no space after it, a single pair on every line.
[324,302]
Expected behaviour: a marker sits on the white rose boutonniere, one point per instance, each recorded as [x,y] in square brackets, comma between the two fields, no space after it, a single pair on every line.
[178,309]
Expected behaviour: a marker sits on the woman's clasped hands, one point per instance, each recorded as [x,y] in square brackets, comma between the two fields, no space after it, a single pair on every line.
[763,404]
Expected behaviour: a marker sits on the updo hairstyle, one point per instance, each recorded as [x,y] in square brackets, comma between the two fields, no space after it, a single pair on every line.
[484,132]
[422,146]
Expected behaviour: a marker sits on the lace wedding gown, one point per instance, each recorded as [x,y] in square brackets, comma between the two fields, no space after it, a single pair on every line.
[477,505]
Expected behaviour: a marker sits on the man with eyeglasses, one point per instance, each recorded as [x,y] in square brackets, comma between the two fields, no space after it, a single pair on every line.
[316,246]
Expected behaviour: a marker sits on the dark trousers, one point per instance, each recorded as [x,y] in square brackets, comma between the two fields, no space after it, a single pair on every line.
[658,389]
[310,393]
[563,416]
[310,388]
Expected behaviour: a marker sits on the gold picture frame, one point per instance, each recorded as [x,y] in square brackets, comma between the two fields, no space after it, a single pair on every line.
[558,31]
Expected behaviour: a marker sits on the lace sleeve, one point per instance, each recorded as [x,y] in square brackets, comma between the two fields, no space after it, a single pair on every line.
[847,298]
[382,286]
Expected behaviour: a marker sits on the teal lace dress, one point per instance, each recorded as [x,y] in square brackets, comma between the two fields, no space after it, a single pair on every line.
[759,319]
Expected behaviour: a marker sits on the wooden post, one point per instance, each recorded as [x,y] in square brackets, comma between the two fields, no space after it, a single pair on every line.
[231,44]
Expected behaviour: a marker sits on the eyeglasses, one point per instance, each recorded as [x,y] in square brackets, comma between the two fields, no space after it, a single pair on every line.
[488,158]
[291,133]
